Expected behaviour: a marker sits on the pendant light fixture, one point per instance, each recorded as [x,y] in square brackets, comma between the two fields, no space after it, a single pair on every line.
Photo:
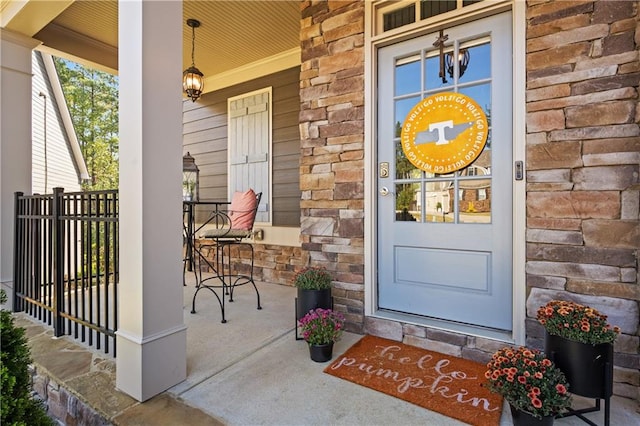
[192,78]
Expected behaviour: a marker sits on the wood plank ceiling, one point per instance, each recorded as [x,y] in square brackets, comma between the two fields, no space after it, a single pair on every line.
[232,33]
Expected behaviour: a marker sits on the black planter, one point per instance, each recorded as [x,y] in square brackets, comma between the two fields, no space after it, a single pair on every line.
[312,299]
[588,368]
[321,353]
[522,418]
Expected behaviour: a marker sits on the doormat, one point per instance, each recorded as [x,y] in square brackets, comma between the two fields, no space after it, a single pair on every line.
[435,381]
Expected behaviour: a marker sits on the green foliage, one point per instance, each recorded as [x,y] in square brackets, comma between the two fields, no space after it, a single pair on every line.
[313,278]
[92,98]
[405,197]
[404,168]
[18,408]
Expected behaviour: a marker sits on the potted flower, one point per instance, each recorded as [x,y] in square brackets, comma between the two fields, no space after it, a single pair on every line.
[580,341]
[576,322]
[314,290]
[321,328]
[532,385]
[313,278]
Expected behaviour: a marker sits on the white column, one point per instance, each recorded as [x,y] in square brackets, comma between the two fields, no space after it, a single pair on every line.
[15,139]
[151,339]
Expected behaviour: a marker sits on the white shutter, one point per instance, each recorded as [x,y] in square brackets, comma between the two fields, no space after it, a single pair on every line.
[249,147]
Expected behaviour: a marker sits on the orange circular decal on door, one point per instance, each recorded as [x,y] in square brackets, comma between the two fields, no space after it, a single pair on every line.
[444,133]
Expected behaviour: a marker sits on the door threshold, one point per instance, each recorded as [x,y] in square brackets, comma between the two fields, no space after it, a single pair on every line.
[505,336]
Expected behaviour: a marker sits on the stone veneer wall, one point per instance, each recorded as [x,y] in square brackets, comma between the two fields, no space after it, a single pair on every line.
[61,404]
[332,147]
[272,263]
[583,157]
[582,166]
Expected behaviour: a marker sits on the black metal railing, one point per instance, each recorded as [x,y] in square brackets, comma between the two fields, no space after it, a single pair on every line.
[66,263]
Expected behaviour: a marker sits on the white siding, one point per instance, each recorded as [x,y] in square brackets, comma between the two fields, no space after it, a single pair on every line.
[58,169]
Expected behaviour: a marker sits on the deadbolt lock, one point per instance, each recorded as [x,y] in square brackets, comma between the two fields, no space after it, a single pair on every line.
[384,169]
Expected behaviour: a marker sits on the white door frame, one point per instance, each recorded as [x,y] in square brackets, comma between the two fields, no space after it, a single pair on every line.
[372,42]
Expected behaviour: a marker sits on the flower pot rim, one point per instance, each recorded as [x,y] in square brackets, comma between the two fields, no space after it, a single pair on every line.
[514,409]
[576,341]
[528,412]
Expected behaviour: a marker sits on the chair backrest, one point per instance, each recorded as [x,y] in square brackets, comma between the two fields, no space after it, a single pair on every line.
[243,209]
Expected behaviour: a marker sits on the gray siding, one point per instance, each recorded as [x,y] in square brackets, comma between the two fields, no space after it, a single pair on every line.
[205,137]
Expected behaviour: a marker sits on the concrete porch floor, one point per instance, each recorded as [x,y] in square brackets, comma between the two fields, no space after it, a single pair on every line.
[249,371]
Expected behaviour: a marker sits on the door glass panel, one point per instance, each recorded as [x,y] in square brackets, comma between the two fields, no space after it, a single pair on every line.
[475,201]
[404,168]
[403,107]
[482,95]
[407,76]
[479,65]
[432,79]
[458,197]
[408,202]
[437,197]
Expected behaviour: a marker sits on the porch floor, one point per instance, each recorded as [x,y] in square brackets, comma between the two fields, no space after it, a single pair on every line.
[248,371]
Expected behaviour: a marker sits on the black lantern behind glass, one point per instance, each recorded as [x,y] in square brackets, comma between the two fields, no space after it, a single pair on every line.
[190,179]
[463,62]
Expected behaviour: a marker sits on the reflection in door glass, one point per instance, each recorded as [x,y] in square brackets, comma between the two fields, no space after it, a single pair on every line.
[478,66]
[482,95]
[437,201]
[462,196]
[407,79]
[408,202]
[432,77]
[402,108]
[475,201]
[404,168]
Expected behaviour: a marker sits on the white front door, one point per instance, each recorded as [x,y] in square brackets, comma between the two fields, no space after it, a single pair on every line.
[445,239]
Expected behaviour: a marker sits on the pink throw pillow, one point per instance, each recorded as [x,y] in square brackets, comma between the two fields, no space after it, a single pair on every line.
[243,209]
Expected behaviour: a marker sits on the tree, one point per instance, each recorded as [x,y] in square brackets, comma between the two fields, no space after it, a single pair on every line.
[404,168]
[92,99]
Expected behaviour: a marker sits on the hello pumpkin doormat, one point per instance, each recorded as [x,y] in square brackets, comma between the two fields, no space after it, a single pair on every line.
[435,381]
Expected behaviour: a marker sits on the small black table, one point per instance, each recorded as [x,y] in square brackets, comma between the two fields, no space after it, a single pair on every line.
[190,230]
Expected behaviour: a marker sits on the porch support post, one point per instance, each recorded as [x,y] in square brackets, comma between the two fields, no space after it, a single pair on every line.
[15,139]
[151,338]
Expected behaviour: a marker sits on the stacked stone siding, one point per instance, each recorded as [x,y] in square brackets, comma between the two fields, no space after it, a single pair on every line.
[271,263]
[583,156]
[332,147]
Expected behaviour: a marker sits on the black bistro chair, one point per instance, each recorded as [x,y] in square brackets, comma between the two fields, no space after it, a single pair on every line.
[231,230]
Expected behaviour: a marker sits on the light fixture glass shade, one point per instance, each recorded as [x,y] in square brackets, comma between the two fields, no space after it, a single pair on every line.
[193,82]
[190,179]
[192,78]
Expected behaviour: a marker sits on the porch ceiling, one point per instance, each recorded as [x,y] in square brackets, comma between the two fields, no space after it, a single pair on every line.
[232,33]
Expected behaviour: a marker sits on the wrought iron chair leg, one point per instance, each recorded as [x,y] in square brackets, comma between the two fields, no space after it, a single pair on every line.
[220,301]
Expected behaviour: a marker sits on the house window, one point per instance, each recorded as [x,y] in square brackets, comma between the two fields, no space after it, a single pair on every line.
[399,17]
[429,8]
[393,15]
[250,138]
